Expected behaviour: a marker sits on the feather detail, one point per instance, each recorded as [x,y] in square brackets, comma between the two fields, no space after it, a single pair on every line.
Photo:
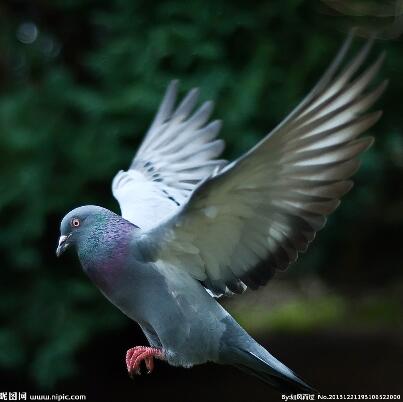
[179,151]
[256,214]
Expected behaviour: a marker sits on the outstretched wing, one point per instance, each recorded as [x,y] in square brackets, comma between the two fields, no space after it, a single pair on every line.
[259,212]
[178,151]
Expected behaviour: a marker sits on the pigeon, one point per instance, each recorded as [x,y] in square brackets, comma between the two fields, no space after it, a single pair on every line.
[194,227]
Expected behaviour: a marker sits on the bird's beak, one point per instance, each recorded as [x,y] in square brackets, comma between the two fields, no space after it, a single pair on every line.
[62,246]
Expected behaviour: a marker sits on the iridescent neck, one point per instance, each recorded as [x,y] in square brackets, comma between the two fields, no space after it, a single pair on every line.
[105,250]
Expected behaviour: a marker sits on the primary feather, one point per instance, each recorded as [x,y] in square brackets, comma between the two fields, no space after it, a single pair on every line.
[178,152]
[256,214]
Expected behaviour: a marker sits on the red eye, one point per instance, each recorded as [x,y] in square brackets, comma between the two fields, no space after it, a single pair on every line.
[75,222]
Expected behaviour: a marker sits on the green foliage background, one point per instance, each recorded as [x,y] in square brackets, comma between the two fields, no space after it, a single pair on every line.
[76,100]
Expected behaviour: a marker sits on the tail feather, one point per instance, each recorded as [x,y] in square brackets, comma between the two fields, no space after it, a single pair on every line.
[239,349]
[274,373]
[271,371]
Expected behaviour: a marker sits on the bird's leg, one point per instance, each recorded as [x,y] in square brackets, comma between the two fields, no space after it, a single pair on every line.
[136,355]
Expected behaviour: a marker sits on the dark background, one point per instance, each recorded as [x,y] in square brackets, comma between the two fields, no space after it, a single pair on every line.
[79,84]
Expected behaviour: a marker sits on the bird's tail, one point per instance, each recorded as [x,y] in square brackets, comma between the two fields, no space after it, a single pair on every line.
[273,372]
[263,365]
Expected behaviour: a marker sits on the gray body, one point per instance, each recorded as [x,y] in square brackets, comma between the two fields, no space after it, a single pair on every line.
[175,312]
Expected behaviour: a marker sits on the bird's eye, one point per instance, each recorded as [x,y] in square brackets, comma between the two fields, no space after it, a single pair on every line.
[75,222]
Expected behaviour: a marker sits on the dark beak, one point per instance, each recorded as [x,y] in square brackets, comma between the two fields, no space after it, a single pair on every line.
[62,246]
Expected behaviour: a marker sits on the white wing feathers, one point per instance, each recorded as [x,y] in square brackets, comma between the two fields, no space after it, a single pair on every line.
[259,212]
[178,151]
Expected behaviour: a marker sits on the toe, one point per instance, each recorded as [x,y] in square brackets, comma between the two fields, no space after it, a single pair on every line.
[129,354]
[134,366]
[136,355]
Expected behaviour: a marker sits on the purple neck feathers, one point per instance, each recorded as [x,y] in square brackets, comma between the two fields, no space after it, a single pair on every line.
[105,251]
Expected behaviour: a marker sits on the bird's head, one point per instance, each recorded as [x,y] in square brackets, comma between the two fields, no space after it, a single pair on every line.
[79,224]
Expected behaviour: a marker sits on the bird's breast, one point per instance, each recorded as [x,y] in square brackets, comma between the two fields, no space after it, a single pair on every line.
[105,265]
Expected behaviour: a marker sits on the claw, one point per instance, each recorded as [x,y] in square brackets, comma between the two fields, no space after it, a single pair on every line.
[136,355]
[149,361]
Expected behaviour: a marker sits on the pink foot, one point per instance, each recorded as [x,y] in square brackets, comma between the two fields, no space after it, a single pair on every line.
[136,355]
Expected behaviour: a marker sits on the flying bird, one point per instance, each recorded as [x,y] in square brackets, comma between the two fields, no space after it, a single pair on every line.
[194,227]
